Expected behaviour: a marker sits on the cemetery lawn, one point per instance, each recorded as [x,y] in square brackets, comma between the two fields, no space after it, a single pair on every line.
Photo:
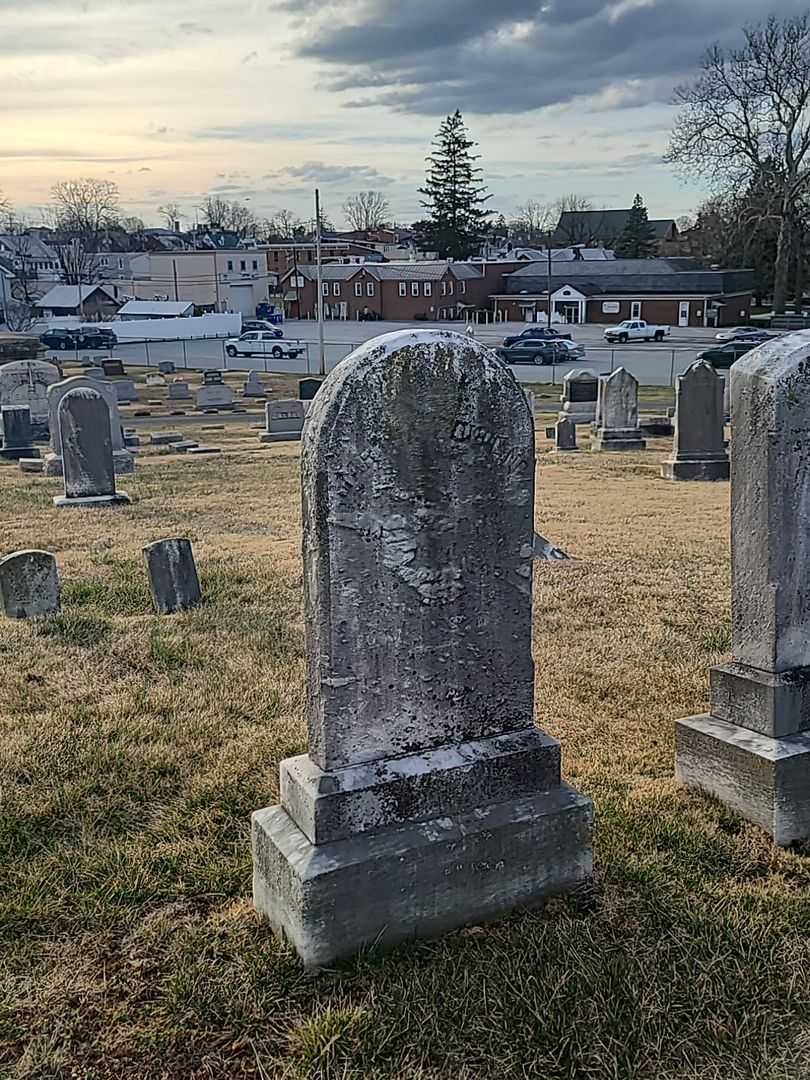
[133,750]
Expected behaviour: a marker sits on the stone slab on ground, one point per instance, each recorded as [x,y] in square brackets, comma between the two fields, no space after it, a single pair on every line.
[204,450]
[163,438]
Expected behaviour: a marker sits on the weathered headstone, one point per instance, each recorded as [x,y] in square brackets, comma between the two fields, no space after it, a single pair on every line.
[179,391]
[166,367]
[252,386]
[26,382]
[753,751]
[428,798]
[125,391]
[173,578]
[87,456]
[308,388]
[579,394]
[113,367]
[565,436]
[699,451]
[122,459]
[618,420]
[29,584]
[283,421]
[214,396]
[17,438]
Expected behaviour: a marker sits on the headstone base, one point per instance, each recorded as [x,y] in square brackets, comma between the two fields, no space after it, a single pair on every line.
[118,499]
[776,704]
[31,465]
[620,440]
[280,436]
[565,449]
[761,778]
[14,453]
[578,414]
[417,880]
[123,463]
[705,469]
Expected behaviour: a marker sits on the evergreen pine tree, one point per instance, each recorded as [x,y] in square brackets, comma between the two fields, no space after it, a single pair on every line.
[454,194]
[637,240]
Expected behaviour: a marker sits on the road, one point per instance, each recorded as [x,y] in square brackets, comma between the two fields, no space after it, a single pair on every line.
[653,365]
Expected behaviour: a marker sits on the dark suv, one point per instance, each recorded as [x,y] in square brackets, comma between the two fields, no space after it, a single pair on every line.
[79,337]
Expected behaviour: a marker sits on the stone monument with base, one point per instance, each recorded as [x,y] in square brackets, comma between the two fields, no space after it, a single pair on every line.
[753,750]
[618,414]
[123,460]
[699,452]
[428,799]
[87,457]
[579,394]
[283,421]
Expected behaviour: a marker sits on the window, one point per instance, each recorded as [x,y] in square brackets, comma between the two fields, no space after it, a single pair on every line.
[369,288]
[403,289]
[325,288]
[427,289]
[242,264]
[298,281]
[275,256]
[450,286]
[462,285]
[120,264]
[414,288]
[336,288]
[255,264]
[230,264]
[358,288]
[444,288]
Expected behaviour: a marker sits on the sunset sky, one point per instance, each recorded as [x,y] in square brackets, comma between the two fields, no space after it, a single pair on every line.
[261,101]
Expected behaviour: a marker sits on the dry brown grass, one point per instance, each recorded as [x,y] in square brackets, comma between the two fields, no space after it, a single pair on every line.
[133,749]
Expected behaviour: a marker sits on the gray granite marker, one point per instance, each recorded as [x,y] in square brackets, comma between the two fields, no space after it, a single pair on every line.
[17,435]
[252,386]
[565,436]
[753,750]
[699,452]
[179,391]
[579,394]
[283,421]
[428,798]
[173,578]
[29,584]
[618,414]
[84,424]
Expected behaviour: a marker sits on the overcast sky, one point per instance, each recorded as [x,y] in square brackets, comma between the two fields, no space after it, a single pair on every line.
[260,101]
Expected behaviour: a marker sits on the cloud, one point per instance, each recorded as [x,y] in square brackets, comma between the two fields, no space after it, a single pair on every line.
[432,56]
[194,28]
[320,173]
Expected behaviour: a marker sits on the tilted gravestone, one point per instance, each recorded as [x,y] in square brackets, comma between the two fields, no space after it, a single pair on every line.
[123,460]
[173,578]
[29,584]
[283,421]
[753,750]
[15,421]
[565,436]
[618,414]
[428,798]
[579,394]
[699,451]
[26,382]
[87,456]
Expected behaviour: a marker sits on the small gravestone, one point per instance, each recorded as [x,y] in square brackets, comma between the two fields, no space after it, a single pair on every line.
[618,420]
[155,380]
[308,388]
[113,367]
[428,799]
[87,457]
[125,391]
[122,458]
[579,394]
[752,751]
[545,551]
[162,438]
[173,578]
[26,382]
[17,437]
[179,391]
[283,421]
[215,397]
[565,436]
[31,465]
[253,386]
[166,367]
[29,584]
[699,451]
[213,378]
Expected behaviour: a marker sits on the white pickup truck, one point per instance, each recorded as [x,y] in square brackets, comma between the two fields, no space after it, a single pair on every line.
[635,330]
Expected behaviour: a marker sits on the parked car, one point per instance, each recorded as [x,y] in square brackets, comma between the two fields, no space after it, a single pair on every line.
[635,330]
[536,333]
[572,349]
[262,343]
[723,356]
[59,339]
[101,338]
[534,351]
[79,337]
[261,324]
[744,334]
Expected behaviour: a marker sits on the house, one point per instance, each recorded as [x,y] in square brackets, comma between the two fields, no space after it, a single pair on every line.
[677,292]
[89,302]
[291,253]
[156,309]
[6,282]
[602,228]
[34,260]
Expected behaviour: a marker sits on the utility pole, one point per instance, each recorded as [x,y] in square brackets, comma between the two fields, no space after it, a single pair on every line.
[319,275]
[548,279]
[174,273]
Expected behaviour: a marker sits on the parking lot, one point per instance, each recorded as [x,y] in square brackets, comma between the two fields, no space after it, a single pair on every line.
[652,364]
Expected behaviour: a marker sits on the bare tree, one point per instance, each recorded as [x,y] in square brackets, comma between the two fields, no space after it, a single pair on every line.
[575,222]
[284,225]
[6,211]
[366,210]
[215,211]
[20,315]
[82,211]
[171,214]
[242,220]
[534,220]
[747,115]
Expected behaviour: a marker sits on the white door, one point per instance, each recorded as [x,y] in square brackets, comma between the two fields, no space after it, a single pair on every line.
[683,313]
[635,309]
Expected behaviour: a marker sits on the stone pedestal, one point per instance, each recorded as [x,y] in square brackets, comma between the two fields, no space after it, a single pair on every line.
[427,799]
[624,439]
[753,750]
[698,452]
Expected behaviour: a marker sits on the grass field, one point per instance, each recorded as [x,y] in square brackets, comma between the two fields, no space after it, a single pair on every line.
[133,750]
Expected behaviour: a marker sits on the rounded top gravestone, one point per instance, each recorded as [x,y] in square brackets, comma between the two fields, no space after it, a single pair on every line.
[418,494]
[26,382]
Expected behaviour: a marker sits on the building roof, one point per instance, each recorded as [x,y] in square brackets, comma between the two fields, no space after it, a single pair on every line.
[67,296]
[641,277]
[584,226]
[401,271]
[155,308]
[606,268]
[23,244]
